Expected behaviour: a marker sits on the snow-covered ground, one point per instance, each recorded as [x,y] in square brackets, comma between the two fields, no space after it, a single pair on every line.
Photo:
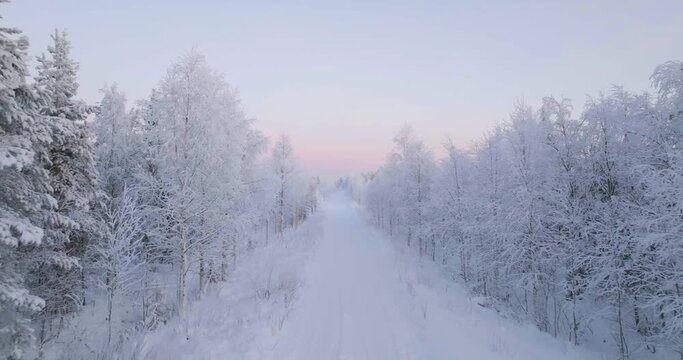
[354,295]
[252,306]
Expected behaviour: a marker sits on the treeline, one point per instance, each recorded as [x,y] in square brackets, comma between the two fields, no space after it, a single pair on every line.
[129,212]
[571,222]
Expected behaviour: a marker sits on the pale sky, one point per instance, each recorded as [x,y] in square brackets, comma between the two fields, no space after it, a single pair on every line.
[342,77]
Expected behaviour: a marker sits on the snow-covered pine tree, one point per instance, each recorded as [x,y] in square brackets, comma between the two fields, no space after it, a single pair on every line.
[57,275]
[25,200]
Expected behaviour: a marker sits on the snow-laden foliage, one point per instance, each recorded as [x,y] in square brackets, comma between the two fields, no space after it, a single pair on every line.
[97,211]
[295,198]
[56,274]
[185,190]
[26,201]
[572,223]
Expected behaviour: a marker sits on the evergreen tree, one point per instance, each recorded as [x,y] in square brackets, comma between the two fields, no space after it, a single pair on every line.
[58,275]
[26,203]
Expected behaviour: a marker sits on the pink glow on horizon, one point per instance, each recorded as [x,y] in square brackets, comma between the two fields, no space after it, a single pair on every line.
[334,158]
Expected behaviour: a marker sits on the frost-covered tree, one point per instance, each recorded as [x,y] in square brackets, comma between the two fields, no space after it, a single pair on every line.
[450,230]
[26,201]
[188,99]
[182,189]
[197,176]
[566,204]
[411,166]
[114,146]
[57,273]
[288,196]
[119,249]
[565,221]
[284,166]
[528,244]
[662,178]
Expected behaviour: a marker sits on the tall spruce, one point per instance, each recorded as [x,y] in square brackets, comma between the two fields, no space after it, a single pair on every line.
[26,203]
[57,275]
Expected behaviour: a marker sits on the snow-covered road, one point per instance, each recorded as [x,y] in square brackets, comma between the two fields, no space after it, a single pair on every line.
[351,306]
[364,299]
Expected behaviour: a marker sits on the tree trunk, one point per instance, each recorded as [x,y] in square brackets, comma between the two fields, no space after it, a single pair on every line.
[202,273]
[182,272]
[110,306]
[623,347]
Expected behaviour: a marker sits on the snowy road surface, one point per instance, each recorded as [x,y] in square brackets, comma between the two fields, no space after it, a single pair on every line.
[349,308]
[365,299]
